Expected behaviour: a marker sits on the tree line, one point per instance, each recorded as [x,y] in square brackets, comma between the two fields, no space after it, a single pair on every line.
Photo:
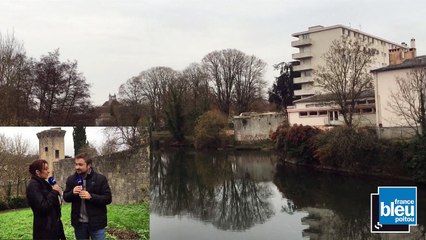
[41,91]
[162,98]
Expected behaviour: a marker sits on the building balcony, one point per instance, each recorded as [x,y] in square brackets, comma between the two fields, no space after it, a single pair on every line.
[301,55]
[302,67]
[304,92]
[303,80]
[301,42]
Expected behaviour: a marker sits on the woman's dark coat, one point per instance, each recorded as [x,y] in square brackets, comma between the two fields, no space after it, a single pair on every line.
[45,203]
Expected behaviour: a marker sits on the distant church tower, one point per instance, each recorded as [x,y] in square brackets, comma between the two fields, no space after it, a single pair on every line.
[51,145]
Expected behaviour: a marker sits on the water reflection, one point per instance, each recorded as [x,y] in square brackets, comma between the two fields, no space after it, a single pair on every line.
[213,188]
[338,206]
[242,195]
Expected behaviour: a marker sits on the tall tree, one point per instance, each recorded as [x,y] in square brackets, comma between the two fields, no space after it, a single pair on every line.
[282,91]
[133,102]
[80,139]
[249,83]
[155,82]
[14,160]
[409,101]
[61,92]
[345,74]
[199,96]
[15,82]
[176,114]
[235,78]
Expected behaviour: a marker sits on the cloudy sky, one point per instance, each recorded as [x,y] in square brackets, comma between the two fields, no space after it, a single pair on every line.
[95,136]
[115,40]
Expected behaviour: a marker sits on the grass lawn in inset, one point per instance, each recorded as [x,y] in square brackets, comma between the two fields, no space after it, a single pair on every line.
[123,220]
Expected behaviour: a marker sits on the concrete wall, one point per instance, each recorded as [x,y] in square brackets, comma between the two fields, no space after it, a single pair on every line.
[256,126]
[127,174]
[396,132]
[385,84]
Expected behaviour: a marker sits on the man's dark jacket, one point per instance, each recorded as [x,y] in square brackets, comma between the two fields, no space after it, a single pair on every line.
[46,207]
[97,186]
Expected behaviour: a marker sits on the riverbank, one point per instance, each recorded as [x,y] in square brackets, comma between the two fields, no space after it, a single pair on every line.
[164,140]
[124,222]
[294,162]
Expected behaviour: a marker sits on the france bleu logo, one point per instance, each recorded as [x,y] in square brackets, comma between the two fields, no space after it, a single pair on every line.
[393,209]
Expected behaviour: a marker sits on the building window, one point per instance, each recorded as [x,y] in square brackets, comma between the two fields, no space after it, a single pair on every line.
[46,149]
[333,115]
[305,36]
[322,113]
[307,73]
[306,61]
[56,154]
[313,113]
[303,114]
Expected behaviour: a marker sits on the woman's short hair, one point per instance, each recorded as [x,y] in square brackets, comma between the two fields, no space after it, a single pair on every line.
[37,165]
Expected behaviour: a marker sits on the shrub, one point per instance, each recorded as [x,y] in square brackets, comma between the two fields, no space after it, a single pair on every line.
[279,136]
[347,148]
[301,142]
[3,205]
[415,159]
[296,141]
[17,202]
[209,130]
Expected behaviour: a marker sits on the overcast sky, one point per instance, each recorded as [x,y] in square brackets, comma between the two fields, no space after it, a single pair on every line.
[115,40]
[95,136]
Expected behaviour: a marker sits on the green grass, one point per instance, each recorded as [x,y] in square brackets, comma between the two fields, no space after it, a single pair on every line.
[18,224]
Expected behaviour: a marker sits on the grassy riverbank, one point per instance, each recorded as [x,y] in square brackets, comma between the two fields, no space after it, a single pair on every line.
[124,221]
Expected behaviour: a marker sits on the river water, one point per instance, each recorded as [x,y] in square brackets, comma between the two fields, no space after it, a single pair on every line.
[243,195]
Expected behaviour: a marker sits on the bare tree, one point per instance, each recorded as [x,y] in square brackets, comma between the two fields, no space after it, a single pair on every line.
[409,101]
[109,146]
[131,92]
[234,77]
[61,92]
[155,82]
[249,84]
[199,87]
[13,163]
[15,82]
[345,74]
[176,98]
[129,137]
[132,103]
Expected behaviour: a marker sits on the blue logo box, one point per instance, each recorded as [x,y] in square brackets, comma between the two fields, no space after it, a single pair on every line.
[397,205]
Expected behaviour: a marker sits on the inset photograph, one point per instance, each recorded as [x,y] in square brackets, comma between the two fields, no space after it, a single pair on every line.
[73,183]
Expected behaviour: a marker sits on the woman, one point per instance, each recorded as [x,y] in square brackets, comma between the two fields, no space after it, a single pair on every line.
[44,200]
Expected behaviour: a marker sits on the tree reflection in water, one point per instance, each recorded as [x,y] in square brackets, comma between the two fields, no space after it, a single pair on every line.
[213,189]
[339,206]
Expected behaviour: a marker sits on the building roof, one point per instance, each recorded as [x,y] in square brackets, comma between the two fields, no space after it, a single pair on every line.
[320,28]
[419,61]
[329,97]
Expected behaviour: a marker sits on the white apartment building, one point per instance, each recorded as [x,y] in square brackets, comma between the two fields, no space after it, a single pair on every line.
[312,45]
[391,124]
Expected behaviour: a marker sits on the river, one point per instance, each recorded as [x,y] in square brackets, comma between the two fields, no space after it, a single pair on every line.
[243,195]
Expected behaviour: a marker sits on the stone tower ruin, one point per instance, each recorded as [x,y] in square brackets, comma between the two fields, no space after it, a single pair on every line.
[51,145]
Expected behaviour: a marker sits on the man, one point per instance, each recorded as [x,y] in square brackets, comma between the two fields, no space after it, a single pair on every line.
[89,193]
[45,203]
